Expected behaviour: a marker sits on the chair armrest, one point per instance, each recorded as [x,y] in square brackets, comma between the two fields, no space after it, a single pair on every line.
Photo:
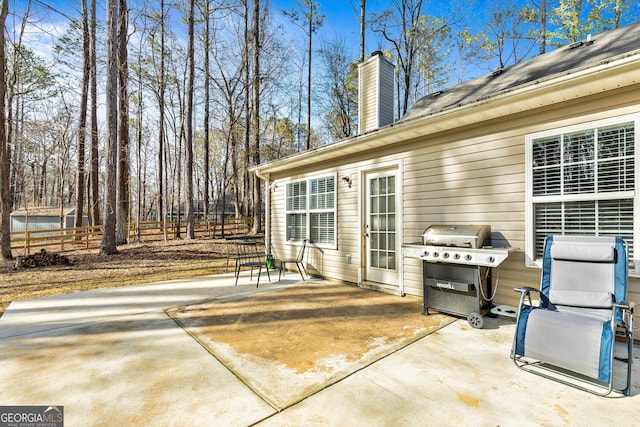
[626,305]
[525,293]
[526,289]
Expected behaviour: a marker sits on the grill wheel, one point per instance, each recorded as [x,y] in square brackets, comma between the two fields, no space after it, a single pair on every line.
[475,320]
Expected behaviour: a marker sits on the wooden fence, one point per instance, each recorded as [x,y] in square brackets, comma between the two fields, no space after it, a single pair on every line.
[68,239]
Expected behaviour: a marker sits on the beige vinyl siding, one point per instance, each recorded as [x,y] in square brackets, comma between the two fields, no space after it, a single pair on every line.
[367,103]
[385,95]
[322,261]
[471,180]
[471,175]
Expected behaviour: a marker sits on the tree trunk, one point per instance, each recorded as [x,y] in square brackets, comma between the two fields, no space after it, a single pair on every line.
[235,172]
[161,212]
[5,152]
[141,196]
[255,119]
[363,14]
[82,121]
[207,21]
[94,197]
[247,109]
[543,26]
[311,15]
[189,127]
[124,161]
[108,245]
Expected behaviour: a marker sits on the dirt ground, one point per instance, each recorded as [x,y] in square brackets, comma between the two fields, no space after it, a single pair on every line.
[133,264]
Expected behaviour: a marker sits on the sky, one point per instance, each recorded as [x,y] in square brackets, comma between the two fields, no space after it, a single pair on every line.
[341,21]
[341,18]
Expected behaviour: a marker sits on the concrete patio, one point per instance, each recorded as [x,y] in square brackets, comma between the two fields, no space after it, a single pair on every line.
[113,358]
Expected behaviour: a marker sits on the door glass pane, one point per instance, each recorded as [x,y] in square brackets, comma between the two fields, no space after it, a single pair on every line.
[382,222]
[382,261]
[374,259]
[382,204]
[391,261]
[391,203]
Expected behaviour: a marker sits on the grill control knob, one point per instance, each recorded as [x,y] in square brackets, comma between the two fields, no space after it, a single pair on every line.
[445,255]
[425,253]
[436,254]
[456,256]
[467,257]
[490,259]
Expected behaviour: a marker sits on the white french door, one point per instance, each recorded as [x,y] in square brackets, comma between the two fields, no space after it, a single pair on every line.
[380,235]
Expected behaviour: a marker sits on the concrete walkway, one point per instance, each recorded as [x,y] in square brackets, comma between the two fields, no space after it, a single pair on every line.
[113,357]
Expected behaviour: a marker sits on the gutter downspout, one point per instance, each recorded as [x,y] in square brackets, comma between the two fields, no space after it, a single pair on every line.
[267,210]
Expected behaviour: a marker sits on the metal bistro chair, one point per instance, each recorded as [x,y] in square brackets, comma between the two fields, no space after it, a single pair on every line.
[582,306]
[232,253]
[298,260]
[248,256]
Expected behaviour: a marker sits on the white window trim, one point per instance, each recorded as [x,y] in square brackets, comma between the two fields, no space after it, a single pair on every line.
[530,260]
[308,211]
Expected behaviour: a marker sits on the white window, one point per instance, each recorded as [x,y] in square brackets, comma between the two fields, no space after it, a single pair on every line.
[581,180]
[297,210]
[311,210]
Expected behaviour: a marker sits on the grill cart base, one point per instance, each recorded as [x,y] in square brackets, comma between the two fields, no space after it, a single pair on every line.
[460,290]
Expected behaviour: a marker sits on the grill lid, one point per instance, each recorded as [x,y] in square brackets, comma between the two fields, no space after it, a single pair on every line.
[464,236]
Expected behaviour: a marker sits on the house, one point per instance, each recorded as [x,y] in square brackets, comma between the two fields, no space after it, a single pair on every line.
[549,145]
[44,218]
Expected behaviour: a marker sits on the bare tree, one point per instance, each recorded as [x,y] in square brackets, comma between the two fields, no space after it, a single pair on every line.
[361,12]
[5,151]
[108,245]
[207,106]
[399,28]
[340,84]
[189,124]
[307,17]
[247,106]
[82,119]
[161,124]
[363,23]
[255,118]
[94,193]
[543,26]
[123,196]
[469,49]
[139,141]
[508,40]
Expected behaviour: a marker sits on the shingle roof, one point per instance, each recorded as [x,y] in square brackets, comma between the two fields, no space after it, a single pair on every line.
[600,49]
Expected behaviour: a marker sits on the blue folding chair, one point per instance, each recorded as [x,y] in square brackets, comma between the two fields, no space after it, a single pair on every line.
[570,335]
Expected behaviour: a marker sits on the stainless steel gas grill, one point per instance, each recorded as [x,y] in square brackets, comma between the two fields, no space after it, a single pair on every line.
[457,262]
